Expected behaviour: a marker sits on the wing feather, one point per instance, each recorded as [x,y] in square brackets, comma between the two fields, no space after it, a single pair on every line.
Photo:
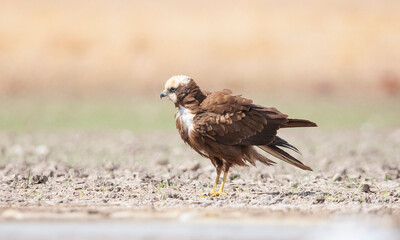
[234,120]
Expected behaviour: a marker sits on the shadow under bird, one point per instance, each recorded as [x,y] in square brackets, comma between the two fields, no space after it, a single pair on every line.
[227,129]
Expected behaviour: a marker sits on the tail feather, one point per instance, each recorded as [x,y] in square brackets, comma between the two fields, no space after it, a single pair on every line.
[264,159]
[298,123]
[283,143]
[284,156]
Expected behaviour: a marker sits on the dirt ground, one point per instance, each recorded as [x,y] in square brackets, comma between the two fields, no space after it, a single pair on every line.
[121,175]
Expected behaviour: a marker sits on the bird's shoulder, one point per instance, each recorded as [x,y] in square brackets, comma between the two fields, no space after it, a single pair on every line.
[224,102]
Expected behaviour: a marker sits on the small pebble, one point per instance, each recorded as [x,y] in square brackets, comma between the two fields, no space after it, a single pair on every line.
[337,178]
[365,188]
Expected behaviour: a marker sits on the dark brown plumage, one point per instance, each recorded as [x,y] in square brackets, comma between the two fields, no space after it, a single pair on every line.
[227,129]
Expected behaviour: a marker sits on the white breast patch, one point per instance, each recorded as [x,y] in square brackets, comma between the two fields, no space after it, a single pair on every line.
[186,118]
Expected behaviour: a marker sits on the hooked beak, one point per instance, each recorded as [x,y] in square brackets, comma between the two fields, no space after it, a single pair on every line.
[163,94]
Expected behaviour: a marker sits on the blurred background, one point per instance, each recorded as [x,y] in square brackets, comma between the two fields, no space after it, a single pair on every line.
[67,64]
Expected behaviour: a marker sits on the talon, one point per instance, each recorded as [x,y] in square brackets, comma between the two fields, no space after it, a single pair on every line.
[206,195]
[209,194]
[218,194]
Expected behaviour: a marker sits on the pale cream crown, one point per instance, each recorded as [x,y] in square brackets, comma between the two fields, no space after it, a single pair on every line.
[175,81]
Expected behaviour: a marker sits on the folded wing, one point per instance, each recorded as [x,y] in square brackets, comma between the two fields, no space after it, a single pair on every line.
[234,120]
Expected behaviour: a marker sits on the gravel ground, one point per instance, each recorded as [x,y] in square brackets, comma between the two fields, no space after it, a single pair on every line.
[120,175]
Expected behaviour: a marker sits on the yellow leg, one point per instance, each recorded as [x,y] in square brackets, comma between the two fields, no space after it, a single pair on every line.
[215,184]
[221,189]
[216,181]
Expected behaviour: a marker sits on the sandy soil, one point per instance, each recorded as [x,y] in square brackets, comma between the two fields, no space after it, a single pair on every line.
[122,175]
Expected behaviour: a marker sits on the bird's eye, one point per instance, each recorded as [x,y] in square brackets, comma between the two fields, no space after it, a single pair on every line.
[172,89]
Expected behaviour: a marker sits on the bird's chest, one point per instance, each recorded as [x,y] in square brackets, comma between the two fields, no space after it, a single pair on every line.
[184,122]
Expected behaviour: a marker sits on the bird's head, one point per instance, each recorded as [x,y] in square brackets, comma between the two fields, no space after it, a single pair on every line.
[175,87]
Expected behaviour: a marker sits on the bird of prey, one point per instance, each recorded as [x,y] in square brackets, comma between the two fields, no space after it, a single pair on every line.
[228,129]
